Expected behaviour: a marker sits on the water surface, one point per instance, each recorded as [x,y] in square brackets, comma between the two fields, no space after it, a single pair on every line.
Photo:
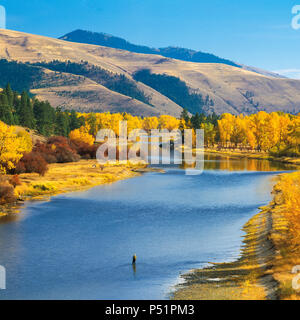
[79,245]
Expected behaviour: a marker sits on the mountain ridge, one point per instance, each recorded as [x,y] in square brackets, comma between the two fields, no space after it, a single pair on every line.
[184,54]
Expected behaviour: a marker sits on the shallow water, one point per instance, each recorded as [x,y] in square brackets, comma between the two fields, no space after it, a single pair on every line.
[80,245]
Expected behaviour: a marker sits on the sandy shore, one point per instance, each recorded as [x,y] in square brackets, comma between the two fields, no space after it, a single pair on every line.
[263,271]
[245,279]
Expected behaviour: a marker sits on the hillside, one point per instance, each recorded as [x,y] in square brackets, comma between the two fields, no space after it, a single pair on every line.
[230,89]
[107,40]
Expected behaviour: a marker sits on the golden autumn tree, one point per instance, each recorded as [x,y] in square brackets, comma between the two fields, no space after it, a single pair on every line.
[168,122]
[12,146]
[250,137]
[115,121]
[290,187]
[238,132]
[260,125]
[150,123]
[133,122]
[283,124]
[81,135]
[209,133]
[104,120]
[226,127]
[293,138]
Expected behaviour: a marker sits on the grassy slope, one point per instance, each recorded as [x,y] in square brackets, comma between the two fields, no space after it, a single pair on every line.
[226,85]
[31,48]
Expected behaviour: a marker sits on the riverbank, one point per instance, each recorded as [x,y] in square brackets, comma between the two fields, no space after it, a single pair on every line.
[68,177]
[268,254]
[253,155]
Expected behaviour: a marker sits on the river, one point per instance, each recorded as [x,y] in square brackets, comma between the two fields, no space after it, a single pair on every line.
[80,245]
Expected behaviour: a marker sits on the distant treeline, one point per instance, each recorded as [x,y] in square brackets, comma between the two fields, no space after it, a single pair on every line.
[34,77]
[16,109]
[21,76]
[175,89]
[112,81]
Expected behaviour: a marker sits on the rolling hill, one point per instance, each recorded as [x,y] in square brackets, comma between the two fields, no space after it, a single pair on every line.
[104,78]
[107,40]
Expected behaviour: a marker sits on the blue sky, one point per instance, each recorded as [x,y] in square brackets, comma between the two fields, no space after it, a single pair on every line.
[256,33]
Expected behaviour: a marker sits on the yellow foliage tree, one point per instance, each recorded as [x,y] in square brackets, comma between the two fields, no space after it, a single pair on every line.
[150,123]
[12,146]
[226,127]
[290,188]
[82,135]
[168,122]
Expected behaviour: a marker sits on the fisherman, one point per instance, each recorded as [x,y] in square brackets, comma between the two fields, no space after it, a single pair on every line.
[134,259]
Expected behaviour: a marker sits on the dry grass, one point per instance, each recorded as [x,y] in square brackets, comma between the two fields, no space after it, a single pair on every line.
[285,235]
[226,85]
[70,177]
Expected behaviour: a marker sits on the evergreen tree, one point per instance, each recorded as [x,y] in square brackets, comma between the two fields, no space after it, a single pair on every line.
[9,93]
[45,117]
[26,116]
[75,122]
[196,121]
[5,110]
[62,127]
[92,121]
[185,115]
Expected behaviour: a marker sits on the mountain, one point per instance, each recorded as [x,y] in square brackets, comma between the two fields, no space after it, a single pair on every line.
[89,77]
[107,40]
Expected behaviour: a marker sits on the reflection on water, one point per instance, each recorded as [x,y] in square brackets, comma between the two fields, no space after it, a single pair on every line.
[134,268]
[80,245]
[222,162]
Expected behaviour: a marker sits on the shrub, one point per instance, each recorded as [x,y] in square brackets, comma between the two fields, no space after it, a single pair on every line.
[60,148]
[57,150]
[32,162]
[85,150]
[7,194]
[15,181]
[285,151]
[66,154]
[58,140]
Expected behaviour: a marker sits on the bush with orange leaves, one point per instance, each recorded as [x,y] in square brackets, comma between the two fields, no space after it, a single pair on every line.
[32,162]
[85,150]
[7,194]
